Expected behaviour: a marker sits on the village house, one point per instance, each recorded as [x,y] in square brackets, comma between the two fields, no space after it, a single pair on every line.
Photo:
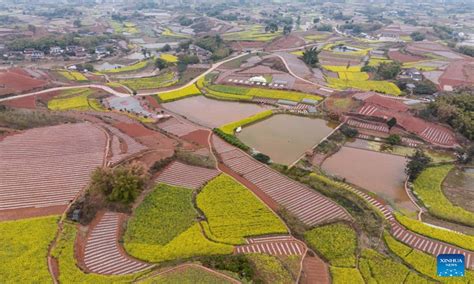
[55,50]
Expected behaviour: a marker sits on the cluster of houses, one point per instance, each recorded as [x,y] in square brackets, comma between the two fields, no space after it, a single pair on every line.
[54,51]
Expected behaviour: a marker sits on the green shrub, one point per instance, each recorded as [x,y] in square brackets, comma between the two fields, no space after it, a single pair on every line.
[337,243]
[24,248]
[233,212]
[428,188]
[239,264]
[451,237]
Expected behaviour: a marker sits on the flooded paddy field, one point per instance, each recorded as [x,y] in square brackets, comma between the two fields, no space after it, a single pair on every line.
[459,187]
[212,113]
[285,137]
[380,173]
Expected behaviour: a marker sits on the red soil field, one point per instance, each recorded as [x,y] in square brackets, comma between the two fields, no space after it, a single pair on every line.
[134,129]
[13,82]
[403,57]
[25,102]
[199,137]
[285,42]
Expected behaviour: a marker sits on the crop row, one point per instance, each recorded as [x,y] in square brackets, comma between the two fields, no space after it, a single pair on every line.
[428,189]
[450,237]
[230,127]
[353,76]
[233,212]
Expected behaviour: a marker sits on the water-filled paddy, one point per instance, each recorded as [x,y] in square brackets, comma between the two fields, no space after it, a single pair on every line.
[212,113]
[381,173]
[284,137]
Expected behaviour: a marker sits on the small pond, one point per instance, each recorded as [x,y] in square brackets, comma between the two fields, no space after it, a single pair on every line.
[212,113]
[459,187]
[380,173]
[285,137]
[107,66]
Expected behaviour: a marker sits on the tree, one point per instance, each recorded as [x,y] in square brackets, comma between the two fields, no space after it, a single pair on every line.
[160,63]
[122,184]
[271,27]
[166,48]
[287,29]
[349,131]
[394,139]
[262,158]
[185,44]
[77,23]
[310,56]
[391,122]
[316,20]
[416,164]
[387,71]
[417,36]
[145,52]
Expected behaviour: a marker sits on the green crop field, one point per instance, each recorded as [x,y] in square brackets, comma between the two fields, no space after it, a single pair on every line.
[169,57]
[69,272]
[353,76]
[229,128]
[457,239]
[422,262]
[161,81]
[76,99]
[252,33]
[369,85]
[233,212]
[342,68]
[344,275]
[270,269]
[188,91]
[427,187]
[164,228]
[24,248]
[380,268]
[281,95]
[73,76]
[337,243]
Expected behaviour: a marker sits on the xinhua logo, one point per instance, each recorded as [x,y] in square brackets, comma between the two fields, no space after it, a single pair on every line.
[450,265]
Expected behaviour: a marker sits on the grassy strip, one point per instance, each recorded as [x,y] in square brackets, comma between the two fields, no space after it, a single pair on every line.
[378,86]
[422,262]
[174,95]
[231,139]
[335,242]
[233,212]
[134,67]
[344,275]
[24,248]
[230,127]
[428,189]
[254,33]
[282,95]
[69,272]
[342,68]
[168,208]
[163,80]
[457,239]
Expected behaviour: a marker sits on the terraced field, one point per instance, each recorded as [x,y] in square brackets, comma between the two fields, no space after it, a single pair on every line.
[103,254]
[306,204]
[48,166]
[179,174]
